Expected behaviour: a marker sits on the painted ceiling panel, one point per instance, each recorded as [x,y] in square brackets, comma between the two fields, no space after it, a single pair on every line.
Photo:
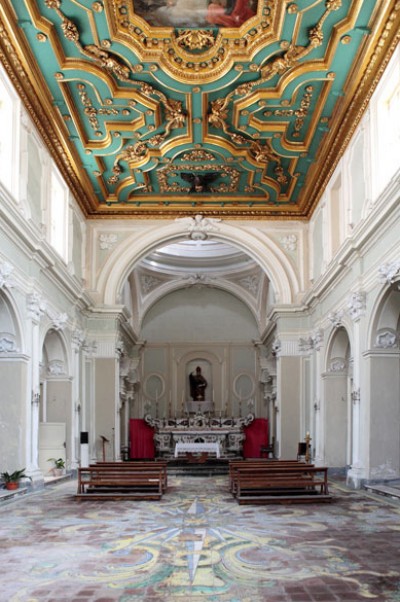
[169,107]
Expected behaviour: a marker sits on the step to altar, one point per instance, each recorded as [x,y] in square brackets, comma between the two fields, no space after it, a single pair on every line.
[201,469]
[386,490]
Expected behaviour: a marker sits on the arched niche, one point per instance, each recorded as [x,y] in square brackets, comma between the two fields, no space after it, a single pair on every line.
[383,385]
[337,400]
[13,377]
[385,328]
[55,411]
[10,334]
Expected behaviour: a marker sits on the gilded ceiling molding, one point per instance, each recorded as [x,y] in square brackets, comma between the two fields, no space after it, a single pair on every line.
[119,101]
[103,58]
[195,55]
[194,39]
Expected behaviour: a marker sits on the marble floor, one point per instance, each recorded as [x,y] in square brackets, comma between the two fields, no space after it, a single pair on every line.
[198,544]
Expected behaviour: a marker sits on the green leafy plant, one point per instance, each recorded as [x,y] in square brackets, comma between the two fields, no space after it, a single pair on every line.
[58,462]
[15,476]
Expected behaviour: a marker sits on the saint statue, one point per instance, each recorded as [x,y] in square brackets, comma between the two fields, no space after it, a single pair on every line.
[198,385]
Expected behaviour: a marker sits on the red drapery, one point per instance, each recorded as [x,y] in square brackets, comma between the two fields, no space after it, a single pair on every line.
[256,436]
[141,439]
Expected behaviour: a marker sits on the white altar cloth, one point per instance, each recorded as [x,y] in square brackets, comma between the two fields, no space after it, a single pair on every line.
[193,448]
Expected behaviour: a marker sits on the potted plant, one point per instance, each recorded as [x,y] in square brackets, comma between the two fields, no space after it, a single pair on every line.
[11,480]
[59,466]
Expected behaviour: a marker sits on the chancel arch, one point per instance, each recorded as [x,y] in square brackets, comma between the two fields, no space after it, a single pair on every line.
[265,251]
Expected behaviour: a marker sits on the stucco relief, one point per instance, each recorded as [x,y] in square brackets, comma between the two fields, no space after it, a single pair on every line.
[337,364]
[149,283]
[289,242]
[335,318]
[6,271]
[251,283]
[356,305]
[77,339]
[199,227]
[389,271]
[36,306]
[314,341]
[107,241]
[56,368]
[7,343]
[59,320]
[386,339]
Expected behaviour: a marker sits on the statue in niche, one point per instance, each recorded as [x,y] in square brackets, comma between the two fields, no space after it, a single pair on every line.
[198,385]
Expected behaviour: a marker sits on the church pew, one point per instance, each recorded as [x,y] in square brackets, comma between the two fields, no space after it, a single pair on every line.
[114,482]
[290,483]
[138,465]
[258,465]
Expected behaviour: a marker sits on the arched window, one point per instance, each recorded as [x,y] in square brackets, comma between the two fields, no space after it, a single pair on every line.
[9,128]
[58,214]
[386,111]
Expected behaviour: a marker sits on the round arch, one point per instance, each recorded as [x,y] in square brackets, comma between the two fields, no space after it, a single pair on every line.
[55,344]
[385,315]
[337,406]
[337,348]
[175,286]
[11,332]
[260,247]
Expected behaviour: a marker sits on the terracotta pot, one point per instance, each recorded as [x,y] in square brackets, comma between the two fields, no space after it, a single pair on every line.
[11,486]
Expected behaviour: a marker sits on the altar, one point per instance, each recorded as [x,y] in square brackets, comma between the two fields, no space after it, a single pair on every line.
[197,448]
[226,434]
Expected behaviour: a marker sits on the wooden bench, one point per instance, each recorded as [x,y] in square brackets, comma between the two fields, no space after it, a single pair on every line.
[117,481]
[138,465]
[280,482]
[258,465]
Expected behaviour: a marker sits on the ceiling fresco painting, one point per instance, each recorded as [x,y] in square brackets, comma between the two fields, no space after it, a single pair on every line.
[195,13]
[160,108]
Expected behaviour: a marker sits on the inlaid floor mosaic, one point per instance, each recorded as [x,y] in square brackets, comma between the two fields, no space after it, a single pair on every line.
[198,544]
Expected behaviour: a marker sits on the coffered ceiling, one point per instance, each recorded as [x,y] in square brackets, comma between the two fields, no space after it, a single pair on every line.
[161,108]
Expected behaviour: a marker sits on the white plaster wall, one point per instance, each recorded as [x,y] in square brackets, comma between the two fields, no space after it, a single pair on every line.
[199,315]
